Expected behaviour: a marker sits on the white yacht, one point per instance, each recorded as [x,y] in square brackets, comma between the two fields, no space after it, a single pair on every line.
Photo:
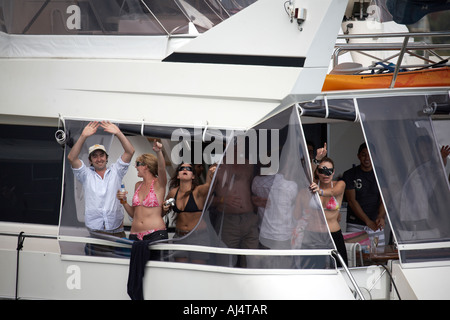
[219,78]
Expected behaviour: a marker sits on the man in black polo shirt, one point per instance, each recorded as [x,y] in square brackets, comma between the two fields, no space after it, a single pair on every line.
[365,210]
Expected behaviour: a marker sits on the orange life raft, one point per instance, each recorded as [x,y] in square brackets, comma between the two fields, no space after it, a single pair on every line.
[432,77]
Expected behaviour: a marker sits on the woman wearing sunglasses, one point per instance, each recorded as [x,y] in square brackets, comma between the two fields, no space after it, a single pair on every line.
[331,194]
[189,197]
[146,208]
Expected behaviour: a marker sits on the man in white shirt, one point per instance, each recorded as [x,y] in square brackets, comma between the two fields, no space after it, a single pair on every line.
[103,212]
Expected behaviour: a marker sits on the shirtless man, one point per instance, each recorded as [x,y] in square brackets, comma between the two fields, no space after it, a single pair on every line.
[233,199]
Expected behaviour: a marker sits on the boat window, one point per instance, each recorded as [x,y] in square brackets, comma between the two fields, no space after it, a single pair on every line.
[442,130]
[169,15]
[234,6]
[200,13]
[113,17]
[409,168]
[30,174]
[259,198]
[72,211]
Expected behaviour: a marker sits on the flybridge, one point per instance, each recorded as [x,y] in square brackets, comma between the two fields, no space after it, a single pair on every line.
[105,17]
[132,29]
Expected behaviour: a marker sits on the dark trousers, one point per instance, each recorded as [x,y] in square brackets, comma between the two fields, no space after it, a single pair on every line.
[338,239]
[140,254]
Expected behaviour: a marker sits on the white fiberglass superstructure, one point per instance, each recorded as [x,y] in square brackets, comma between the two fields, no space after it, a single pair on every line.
[213,78]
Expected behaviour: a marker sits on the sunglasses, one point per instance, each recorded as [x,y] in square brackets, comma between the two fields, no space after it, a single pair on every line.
[185,168]
[138,164]
[326,171]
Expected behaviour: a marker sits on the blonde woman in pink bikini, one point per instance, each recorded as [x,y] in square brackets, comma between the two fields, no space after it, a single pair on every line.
[146,207]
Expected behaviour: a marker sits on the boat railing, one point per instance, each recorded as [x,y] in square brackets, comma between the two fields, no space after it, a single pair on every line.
[405,47]
[167,246]
[163,245]
[20,241]
[337,256]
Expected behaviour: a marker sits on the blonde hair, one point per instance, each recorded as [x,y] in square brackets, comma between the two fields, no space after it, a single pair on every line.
[150,161]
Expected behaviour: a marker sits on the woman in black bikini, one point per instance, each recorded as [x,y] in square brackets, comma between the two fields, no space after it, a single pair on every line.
[189,200]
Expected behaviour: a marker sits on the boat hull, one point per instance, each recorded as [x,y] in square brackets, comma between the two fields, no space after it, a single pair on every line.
[44,275]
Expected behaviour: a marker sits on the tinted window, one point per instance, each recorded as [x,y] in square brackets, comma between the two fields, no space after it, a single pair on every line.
[30,174]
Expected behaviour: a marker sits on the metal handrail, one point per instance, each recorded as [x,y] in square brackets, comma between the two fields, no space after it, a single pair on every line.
[352,279]
[390,46]
[22,235]
[28,235]
[20,240]
[403,47]
[395,35]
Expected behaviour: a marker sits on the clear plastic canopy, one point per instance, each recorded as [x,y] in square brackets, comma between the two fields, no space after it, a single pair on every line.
[259,201]
[260,198]
[260,213]
[409,169]
[114,17]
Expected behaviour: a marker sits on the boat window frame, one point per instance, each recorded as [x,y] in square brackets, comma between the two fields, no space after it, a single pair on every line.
[436,102]
[31,173]
[101,239]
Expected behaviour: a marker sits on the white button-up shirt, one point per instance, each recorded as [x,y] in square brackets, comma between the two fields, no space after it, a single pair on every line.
[277,217]
[103,210]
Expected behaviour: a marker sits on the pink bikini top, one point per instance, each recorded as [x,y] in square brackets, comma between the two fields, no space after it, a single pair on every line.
[332,203]
[150,200]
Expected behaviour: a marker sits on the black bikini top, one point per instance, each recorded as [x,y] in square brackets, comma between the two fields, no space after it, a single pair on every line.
[191,206]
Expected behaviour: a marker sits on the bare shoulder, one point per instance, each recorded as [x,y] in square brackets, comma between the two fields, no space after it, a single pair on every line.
[340,186]
[340,183]
[172,192]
